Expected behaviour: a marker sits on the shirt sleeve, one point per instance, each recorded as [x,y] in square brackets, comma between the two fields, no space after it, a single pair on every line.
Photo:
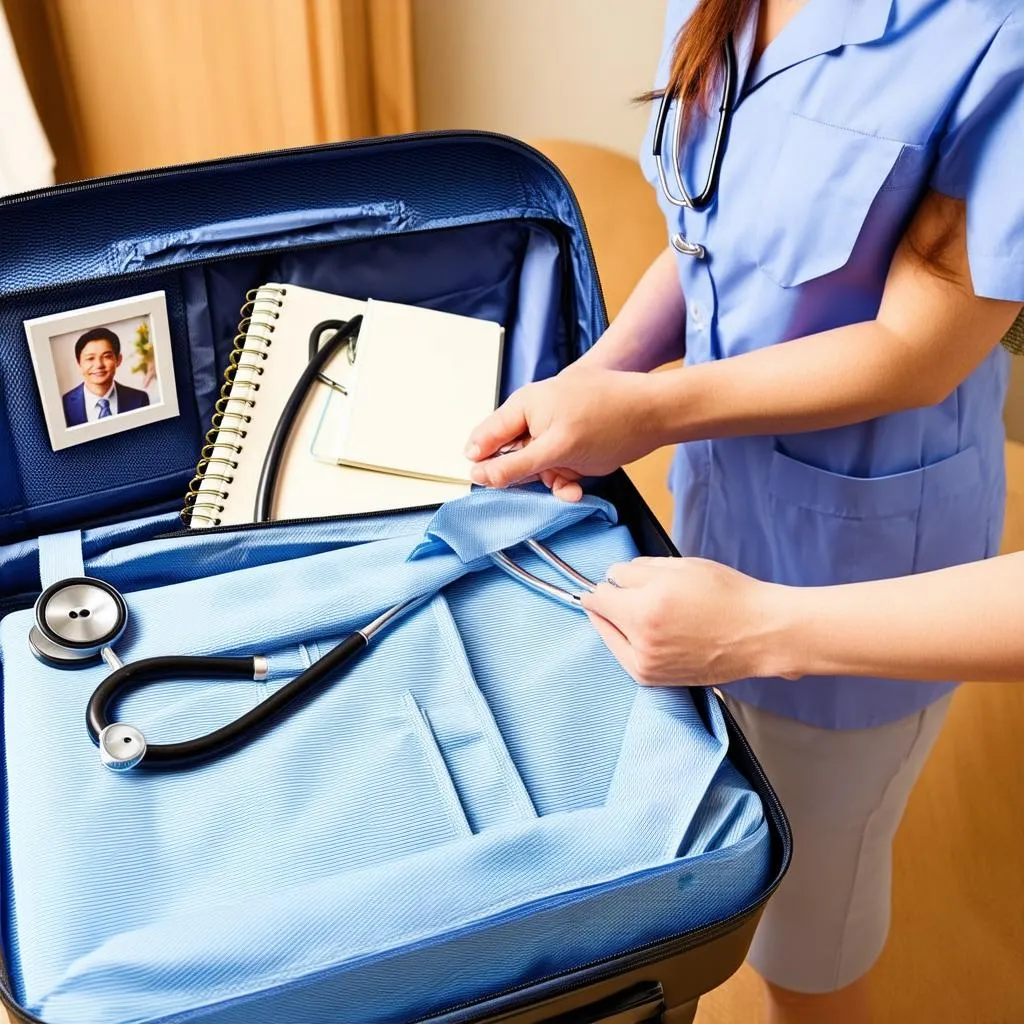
[981,161]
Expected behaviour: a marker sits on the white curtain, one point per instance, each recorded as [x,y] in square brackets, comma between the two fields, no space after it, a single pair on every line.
[26,160]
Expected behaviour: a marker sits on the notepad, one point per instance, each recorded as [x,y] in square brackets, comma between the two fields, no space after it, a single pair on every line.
[273,353]
[422,380]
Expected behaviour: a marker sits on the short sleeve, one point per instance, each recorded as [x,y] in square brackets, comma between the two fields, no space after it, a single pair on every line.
[981,161]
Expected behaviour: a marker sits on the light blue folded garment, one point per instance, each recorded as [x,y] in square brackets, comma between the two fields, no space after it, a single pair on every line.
[484,799]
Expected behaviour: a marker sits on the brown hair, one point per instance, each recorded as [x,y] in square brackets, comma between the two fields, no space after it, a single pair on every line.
[697,57]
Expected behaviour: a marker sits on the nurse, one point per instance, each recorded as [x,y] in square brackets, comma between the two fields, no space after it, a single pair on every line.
[839,303]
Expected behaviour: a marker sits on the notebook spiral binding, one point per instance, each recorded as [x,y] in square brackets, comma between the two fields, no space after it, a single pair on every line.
[232,411]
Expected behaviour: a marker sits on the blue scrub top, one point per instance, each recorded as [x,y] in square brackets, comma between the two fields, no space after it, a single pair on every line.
[852,113]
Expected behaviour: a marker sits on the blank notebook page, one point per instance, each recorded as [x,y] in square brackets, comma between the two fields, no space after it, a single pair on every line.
[423,380]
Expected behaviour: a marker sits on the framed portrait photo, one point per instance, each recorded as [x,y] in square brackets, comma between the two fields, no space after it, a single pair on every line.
[103,369]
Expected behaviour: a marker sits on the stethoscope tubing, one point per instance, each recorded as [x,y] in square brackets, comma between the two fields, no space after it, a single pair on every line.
[136,675]
[707,193]
[346,332]
[109,735]
[245,728]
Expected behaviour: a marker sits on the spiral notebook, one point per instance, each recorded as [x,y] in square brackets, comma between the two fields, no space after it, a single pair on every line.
[271,354]
[420,380]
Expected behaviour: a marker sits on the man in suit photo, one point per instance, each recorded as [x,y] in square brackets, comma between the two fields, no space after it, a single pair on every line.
[98,354]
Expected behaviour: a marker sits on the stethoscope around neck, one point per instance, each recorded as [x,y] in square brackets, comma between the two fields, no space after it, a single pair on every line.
[682,197]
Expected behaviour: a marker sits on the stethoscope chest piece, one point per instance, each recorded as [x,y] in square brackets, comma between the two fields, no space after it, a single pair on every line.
[77,620]
[122,747]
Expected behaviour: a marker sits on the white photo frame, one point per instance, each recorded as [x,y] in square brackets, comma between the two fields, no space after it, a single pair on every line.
[140,390]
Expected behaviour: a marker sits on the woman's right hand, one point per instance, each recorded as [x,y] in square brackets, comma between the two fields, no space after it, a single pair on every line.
[692,622]
[586,421]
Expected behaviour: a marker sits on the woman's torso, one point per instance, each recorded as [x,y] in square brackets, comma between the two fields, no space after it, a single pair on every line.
[834,138]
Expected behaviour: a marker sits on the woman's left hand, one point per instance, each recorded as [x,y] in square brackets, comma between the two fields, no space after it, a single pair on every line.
[689,622]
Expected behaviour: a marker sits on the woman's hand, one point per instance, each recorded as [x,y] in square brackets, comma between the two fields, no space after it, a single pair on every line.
[586,421]
[690,622]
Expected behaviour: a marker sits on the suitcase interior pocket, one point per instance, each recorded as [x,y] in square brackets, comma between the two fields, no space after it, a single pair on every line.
[476,270]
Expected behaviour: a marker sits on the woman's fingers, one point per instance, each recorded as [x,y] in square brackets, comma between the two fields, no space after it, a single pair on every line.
[566,488]
[616,604]
[517,466]
[615,642]
[504,426]
[635,573]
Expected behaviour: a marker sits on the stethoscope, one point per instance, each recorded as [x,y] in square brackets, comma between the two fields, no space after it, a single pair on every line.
[683,197]
[79,620]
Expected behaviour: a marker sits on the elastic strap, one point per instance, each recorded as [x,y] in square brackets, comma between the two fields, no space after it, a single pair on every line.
[60,557]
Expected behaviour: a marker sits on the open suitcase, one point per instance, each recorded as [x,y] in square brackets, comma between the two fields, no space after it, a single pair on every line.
[471,223]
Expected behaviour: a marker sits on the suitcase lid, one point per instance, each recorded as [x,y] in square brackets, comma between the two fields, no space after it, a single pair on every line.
[102,228]
[195,225]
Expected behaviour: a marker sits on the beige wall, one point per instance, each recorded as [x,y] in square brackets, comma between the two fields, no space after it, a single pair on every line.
[538,68]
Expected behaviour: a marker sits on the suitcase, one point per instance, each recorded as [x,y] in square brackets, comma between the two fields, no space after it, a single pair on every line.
[468,222]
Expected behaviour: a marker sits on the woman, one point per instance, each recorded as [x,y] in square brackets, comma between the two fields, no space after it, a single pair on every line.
[839,304]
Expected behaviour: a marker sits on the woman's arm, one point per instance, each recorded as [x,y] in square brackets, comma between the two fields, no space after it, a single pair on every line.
[930,332]
[649,330]
[684,621]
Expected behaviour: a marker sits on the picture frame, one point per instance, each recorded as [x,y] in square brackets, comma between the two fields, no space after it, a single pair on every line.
[104,369]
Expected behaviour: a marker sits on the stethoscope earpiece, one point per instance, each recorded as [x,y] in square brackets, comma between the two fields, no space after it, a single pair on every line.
[682,196]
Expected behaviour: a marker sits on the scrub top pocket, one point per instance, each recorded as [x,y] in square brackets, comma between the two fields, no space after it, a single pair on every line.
[832,171]
[832,528]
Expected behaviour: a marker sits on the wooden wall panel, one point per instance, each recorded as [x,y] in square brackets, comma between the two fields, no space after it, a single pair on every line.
[169,81]
[44,66]
[124,85]
[393,67]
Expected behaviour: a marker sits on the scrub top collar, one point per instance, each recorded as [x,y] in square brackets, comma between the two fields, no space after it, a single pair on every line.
[816,28]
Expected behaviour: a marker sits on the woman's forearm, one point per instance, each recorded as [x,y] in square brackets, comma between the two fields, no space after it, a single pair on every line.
[952,624]
[930,334]
[844,376]
[649,330]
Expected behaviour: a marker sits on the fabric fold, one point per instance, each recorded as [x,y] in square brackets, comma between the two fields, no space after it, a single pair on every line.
[486,521]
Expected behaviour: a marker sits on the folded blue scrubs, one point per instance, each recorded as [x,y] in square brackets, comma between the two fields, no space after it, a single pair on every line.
[485,798]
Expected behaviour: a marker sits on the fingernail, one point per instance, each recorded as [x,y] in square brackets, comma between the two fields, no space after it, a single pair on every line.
[472,451]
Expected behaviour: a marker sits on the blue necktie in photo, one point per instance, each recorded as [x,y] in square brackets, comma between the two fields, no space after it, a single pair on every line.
[104,407]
